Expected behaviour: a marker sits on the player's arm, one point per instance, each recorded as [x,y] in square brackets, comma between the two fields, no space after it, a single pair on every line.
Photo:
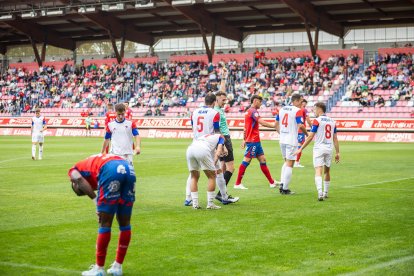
[308,120]
[264,123]
[44,125]
[303,128]
[107,140]
[336,144]
[223,80]
[31,128]
[135,133]
[277,124]
[299,116]
[216,123]
[219,149]
[82,184]
[306,143]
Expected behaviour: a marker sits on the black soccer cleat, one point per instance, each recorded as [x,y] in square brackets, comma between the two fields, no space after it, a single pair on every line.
[287,192]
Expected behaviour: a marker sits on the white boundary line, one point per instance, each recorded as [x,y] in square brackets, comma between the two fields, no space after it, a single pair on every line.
[54,269]
[375,183]
[380,266]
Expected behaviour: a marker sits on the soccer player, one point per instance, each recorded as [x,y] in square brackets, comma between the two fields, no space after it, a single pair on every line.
[114,179]
[128,111]
[88,122]
[202,155]
[121,134]
[206,120]
[252,143]
[110,115]
[288,121]
[301,135]
[324,128]
[37,130]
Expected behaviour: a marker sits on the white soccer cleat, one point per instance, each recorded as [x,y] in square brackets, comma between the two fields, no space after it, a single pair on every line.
[213,206]
[320,197]
[94,270]
[325,195]
[240,187]
[40,158]
[298,165]
[115,269]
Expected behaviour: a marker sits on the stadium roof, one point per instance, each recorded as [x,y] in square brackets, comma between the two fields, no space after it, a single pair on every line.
[63,23]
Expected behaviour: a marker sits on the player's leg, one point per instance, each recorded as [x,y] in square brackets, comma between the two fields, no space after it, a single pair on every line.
[248,155]
[193,165]
[228,161]
[195,176]
[318,181]
[188,201]
[265,170]
[327,181]
[211,175]
[287,171]
[40,150]
[301,139]
[34,145]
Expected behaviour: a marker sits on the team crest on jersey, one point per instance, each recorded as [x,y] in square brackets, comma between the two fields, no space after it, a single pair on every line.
[121,169]
[256,114]
[114,186]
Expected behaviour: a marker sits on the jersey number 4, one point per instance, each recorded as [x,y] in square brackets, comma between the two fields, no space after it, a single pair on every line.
[285,120]
[200,124]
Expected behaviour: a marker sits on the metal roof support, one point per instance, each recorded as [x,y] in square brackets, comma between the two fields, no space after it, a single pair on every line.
[311,45]
[113,42]
[36,52]
[209,49]
[3,49]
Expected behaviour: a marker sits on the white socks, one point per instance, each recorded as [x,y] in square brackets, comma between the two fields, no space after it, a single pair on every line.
[40,151]
[221,183]
[34,151]
[194,196]
[318,183]
[326,186]
[210,197]
[287,175]
[282,173]
[188,188]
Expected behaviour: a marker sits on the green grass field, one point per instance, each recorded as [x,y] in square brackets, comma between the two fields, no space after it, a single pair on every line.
[366,227]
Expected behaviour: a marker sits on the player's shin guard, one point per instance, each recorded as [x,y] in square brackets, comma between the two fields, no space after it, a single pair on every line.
[287,177]
[227,176]
[123,243]
[104,236]
[221,183]
[242,170]
[318,183]
[34,150]
[266,172]
[188,188]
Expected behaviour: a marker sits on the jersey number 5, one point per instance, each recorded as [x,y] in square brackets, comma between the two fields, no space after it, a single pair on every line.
[200,124]
[328,131]
[285,120]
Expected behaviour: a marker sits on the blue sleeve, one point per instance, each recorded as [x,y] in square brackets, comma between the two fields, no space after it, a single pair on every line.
[108,135]
[32,123]
[277,117]
[221,140]
[44,122]
[335,130]
[135,132]
[314,128]
[216,125]
[299,120]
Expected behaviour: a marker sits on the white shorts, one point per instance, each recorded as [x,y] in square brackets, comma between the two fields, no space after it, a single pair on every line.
[127,157]
[200,159]
[288,151]
[38,137]
[322,158]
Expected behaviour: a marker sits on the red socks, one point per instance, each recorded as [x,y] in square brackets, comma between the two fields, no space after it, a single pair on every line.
[242,170]
[266,172]
[123,243]
[104,236]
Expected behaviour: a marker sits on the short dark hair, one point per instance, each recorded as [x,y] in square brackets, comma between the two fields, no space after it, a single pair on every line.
[120,107]
[221,93]
[255,97]
[296,97]
[321,105]
[210,99]
[304,101]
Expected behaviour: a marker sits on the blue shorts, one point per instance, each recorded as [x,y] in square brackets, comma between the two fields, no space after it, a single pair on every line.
[253,150]
[116,188]
[301,138]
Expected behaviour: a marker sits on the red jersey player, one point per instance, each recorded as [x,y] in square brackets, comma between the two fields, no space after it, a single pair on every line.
[252,143]
[128,111]
[301,135]
[110,115]
[116,195]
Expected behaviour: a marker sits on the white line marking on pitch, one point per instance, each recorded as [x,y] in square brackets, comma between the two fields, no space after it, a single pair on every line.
[62,270]
[380,182]
[380,266]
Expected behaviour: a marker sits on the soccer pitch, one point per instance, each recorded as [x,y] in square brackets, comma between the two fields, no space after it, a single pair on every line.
[366,227]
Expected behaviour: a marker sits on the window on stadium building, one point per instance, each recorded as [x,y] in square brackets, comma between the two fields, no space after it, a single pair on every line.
[192,43]
[394,34]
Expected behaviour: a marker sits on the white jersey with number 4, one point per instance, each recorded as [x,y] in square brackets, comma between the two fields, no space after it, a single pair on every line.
[324,127]
[289,118]
[204,121]
[38,123]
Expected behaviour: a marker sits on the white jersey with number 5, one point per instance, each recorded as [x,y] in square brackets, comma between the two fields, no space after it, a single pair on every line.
[324,127]
[289,118]
[204,121]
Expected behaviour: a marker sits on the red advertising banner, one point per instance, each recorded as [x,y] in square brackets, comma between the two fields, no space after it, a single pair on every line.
[187,134]
[185,123]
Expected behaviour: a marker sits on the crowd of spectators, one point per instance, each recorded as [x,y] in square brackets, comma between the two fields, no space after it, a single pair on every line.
[167,84]
[386,73]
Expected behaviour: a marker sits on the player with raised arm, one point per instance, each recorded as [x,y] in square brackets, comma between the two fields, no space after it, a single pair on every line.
[288,121]
[301,135]
[38,136]
[324,128]
[252,143]
[203,155]
[122,134]
[114,179]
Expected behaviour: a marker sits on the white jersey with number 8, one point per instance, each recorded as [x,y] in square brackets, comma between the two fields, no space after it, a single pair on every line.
[325,128]
[204,120]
